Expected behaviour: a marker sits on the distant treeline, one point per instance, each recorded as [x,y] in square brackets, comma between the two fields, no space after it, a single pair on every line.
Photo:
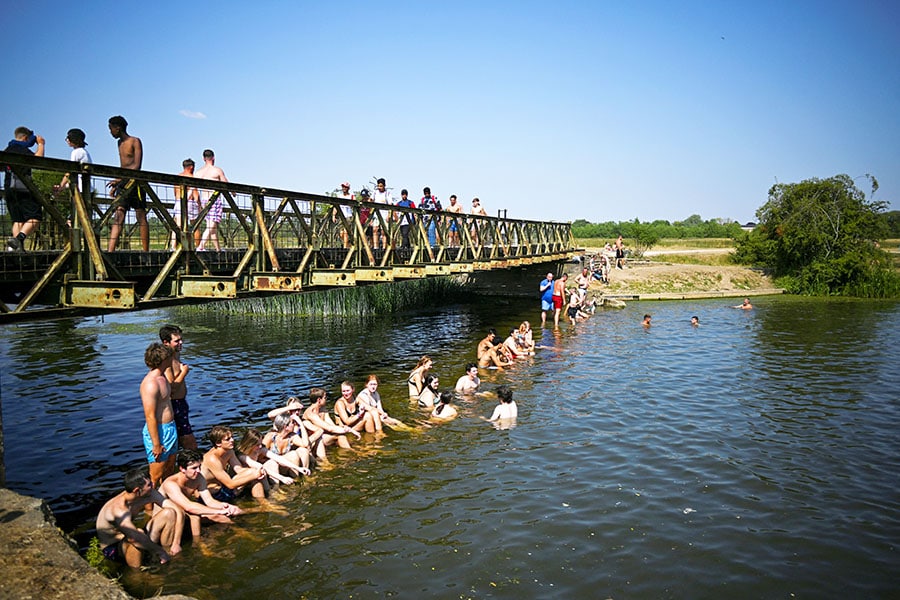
[893,219]
[692,227]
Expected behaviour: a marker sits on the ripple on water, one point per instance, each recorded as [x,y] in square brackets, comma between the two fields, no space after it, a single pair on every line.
[754,455]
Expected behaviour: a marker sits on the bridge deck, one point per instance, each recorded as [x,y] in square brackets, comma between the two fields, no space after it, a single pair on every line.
[273,241]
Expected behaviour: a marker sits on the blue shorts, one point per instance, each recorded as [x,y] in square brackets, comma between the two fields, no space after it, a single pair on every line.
[169,442]
[546,305]
[225,494]
[453,226]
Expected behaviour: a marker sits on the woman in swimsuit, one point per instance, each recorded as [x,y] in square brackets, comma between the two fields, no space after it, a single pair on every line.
[429,396]
[284,441]
[349,412]
[416,379]
[252,452]
[526,337]
[371,402]
[444,410]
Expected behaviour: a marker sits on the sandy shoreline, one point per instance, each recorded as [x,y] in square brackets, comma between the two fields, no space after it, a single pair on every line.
[651,280]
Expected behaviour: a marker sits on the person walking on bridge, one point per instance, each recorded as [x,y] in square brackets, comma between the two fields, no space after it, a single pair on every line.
[25,211]
[210,171]
[128,193]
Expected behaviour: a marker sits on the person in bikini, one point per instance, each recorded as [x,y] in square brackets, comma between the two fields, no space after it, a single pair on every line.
[285,447]
[371,402]
[429,396]
[416,379]
[349,412]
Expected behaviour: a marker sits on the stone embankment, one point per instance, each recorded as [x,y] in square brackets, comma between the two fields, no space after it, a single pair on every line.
[40,562]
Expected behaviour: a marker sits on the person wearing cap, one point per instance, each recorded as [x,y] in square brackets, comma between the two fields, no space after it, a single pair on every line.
[406,219]
[346,197]
[128,193]
[429,202]
[75,140]
[24,210]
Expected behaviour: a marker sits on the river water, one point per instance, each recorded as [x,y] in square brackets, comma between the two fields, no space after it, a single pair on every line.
[755,456]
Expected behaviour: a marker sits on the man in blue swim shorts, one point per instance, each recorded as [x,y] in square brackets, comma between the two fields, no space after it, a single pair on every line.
[160,433]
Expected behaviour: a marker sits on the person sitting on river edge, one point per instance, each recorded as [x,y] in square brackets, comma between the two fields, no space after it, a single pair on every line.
[123,541]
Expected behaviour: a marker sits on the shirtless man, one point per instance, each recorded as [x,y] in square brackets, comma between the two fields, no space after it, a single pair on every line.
[209,170]
[320,419]
[468,383]
[455,227]
[185,486]
[646,322]
[193,204]
[170,336]
[745,305]
[559,294]
[486,353]
[583,281]
[129,194]
[160,433]
[121,540]
[218,461]
[511,346]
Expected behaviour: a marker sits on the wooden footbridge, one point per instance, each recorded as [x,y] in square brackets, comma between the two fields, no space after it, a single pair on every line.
[274,241]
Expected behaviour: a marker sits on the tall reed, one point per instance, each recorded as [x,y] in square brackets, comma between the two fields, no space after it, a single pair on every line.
[380,298]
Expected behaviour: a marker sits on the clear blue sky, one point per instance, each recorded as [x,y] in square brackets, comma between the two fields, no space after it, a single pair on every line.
[598,110]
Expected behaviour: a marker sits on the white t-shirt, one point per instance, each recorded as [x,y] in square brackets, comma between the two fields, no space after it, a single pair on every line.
[80,155]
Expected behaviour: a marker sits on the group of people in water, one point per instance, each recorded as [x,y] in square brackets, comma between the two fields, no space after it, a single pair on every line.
[184,486]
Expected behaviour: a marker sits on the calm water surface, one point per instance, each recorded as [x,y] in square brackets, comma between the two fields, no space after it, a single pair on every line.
[753,457]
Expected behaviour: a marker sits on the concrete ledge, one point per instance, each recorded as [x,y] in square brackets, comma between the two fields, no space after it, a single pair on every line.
[40,562]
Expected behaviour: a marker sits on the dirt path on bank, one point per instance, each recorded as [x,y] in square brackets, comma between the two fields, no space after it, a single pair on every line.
[649,278]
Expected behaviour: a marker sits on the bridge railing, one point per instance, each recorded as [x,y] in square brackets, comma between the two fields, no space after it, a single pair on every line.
[267,235]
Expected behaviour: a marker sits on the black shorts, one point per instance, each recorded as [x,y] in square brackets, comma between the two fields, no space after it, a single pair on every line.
[23,207]
[133,197]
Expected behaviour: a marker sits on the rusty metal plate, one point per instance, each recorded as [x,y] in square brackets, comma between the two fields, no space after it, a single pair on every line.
[331,278]
[375,274]
[277,282]
[461,267]
[202,286]
[409,272]
[437,269]
[100,294]
[482,265]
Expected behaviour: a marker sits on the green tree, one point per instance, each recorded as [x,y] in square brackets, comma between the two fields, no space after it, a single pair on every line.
[820,236]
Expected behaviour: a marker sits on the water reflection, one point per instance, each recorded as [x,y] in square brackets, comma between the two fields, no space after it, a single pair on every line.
[753,455]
